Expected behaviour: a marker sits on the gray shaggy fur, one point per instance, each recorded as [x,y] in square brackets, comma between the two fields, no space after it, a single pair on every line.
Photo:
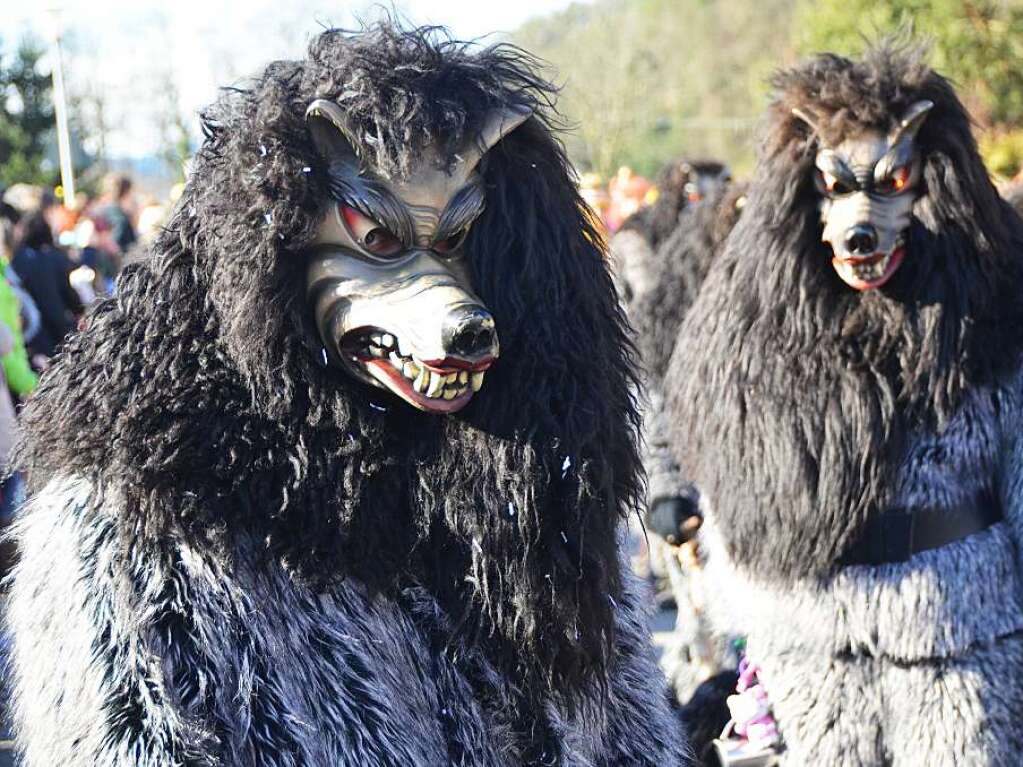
[237,555]
[805,409]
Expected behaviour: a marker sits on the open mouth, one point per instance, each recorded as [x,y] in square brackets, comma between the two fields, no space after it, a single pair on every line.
[389,361]
[870,272]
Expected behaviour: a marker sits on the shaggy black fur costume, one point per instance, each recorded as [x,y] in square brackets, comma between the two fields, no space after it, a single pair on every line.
[810,414]
[680,267]
[799,392]
[695,649]
[209,449]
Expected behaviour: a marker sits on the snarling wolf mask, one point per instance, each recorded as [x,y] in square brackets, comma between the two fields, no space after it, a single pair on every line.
[390,288]
[868,184]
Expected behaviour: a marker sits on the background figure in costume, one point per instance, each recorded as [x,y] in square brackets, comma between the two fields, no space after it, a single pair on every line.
[638,265]
[336,478]
[696,651]
[850,402]
[680,185]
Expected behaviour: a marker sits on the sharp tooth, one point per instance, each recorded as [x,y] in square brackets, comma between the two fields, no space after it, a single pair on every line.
[377,339]
[397,361]
[451,378]
[422,379]
[449,394]
[463,377]
[376,351]
[436,384]
[403,348]
[477,381]
[410,370]
[387,340]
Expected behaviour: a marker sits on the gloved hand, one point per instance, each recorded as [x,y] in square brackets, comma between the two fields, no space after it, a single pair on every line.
[675,519]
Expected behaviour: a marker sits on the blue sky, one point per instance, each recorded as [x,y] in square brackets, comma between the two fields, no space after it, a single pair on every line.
[139,56]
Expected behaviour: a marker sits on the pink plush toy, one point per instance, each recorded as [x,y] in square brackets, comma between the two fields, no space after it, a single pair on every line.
[751,737]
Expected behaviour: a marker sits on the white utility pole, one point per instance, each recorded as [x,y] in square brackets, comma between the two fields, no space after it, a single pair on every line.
[67,171]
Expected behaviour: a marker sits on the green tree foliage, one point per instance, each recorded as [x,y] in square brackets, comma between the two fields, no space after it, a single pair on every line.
[977,43]
[26,116]
[645,80]
[648,80]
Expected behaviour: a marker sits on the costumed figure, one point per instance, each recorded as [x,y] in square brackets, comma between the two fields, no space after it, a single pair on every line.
[336,478]
[656,289]
[850,404]
[696,653]
[633,247]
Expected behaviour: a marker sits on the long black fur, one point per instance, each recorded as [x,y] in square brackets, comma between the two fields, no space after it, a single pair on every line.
[199,390]
[681,265]
[796,394]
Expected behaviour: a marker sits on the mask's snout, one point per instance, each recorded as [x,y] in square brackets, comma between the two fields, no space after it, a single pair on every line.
[861,240]
[469,334]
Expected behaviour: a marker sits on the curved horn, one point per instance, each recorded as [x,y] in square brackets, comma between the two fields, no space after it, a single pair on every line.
[334,140]
[808,118]
[912,119]
[496,125]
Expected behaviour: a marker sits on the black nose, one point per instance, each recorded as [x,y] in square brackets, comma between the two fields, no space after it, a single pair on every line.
[469,332]
[861,240]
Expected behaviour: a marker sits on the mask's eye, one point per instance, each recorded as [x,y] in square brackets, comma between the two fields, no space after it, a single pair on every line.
[832,184]
[896,181]
[451,242]
[369,234]
[693,192]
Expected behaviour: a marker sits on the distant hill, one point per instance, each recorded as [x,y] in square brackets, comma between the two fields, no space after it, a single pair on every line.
[649,80]
[646,80]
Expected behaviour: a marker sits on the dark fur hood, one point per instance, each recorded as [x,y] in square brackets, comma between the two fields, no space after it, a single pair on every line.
[794,395]
[200,391]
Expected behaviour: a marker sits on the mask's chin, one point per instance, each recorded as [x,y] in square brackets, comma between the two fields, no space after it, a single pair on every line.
[378,358]
[871,272]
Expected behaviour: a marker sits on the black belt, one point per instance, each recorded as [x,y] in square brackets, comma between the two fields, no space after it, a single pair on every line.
[897,534]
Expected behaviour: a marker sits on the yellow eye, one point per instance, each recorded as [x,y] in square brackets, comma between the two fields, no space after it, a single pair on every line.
[375,238]
[896,182]
[900,178]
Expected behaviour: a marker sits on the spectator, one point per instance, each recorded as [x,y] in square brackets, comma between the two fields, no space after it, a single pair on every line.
[16,368]
[45,273]
[151,219]
[628,192]
[116,206]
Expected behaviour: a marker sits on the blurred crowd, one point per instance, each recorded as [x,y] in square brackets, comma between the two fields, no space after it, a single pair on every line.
[56,260]
[624,194]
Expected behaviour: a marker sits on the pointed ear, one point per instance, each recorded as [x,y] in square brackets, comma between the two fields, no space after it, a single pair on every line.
[912,120]
[808,118]
[496,125]
[333,139]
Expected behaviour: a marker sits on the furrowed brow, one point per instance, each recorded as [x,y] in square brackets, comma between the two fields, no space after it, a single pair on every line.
[829,162]
[373,199]
[901,153]
[464,208]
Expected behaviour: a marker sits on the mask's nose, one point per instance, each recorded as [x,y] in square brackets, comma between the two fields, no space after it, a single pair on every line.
[861,240]
[468,332]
